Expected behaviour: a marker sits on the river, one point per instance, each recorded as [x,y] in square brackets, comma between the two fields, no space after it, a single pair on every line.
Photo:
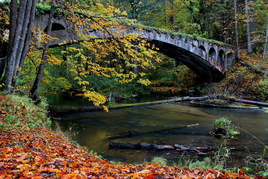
[93,129]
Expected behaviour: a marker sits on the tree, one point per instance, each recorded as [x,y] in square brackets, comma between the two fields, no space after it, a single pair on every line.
[111,56]
[236,29]
[38,79]
[115,55]
[4,23]
[136,9]
[22,14]
[265,50]
[249,44]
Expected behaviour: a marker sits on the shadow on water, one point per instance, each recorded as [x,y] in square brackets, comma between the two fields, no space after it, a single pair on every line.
[92,129]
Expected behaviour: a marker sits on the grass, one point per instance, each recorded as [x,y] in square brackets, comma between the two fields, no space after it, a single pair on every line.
[20,112]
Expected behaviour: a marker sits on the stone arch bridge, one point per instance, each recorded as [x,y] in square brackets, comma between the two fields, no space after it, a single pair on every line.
[209,59]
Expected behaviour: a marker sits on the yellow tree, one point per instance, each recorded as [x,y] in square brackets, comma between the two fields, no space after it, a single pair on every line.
[92,55]
[129,50]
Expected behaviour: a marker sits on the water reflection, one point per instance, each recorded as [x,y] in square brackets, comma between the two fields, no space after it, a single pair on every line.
[92,129]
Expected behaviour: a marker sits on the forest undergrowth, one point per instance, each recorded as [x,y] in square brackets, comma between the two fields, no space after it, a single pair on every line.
[247,78]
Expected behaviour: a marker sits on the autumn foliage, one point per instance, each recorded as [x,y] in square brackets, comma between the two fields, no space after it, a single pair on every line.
[247,78]
[42,153]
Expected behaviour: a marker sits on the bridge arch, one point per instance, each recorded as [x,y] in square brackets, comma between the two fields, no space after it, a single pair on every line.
[55,27]
[221,57]
[208,59]
[202,48]
[201,67]
[212,53]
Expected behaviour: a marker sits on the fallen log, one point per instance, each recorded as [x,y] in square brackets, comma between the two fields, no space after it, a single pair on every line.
[133,133]
[249,102]
[145,146]
[58,110]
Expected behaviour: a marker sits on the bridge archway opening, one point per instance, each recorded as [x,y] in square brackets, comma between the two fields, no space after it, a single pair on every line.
[205,70]
[202,48]
[212,53]
[55,27]
[221,58]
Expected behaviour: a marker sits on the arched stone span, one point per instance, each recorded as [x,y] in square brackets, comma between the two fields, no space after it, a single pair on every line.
[196,63]
[209,60]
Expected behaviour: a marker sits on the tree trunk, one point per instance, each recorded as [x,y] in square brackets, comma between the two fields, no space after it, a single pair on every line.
[248,27]
[265,50]
[16,31]
[26,45]
[38,79]
[20,17]
[236,29]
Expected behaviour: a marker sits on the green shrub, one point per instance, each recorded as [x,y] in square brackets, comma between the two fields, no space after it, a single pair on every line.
[225,124]
[159,160]
[222,123]
[22,113]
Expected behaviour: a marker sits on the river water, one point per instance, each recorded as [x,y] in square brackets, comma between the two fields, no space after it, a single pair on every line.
[93,129]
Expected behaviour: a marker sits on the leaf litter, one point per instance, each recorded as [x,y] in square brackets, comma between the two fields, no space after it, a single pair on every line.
[42,153]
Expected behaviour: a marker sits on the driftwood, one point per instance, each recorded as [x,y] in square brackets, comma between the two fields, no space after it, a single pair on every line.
[145,146]
[227,103]
[133,134]
[249,102]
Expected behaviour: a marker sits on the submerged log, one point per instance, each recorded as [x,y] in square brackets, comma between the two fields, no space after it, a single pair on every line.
[133,133]
[145,146]
[140,146]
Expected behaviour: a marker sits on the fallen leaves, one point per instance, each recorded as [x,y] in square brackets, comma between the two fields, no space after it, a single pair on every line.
[44,153]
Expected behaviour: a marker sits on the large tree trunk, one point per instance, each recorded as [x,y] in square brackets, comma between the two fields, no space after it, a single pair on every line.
[26,46]
[20,17]
[15,32]
[38,79]
[236,29]
[265,50]
[248,27]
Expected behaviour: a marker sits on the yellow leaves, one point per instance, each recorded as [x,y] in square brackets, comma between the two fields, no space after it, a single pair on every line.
[54,60]
[4,15]
[80,81]
[105,108]
[145,82]
[85,83]
[111,51]
[4,19]
[95,97]
[109,11]
[77,78]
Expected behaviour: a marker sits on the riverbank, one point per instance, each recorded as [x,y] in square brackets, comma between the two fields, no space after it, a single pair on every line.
[202,101]
[34,151]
